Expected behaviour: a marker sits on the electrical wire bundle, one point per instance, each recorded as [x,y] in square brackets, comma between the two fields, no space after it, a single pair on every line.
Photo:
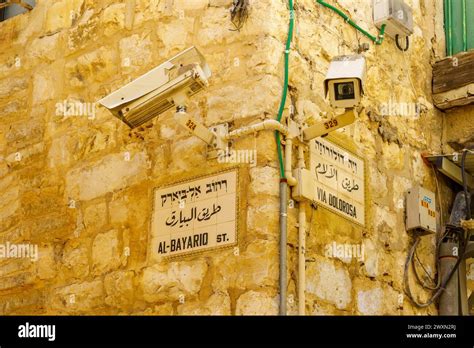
[239,13]
[451,232]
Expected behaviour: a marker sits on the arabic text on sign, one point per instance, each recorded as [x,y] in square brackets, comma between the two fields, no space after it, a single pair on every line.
[204,215]
[197,215]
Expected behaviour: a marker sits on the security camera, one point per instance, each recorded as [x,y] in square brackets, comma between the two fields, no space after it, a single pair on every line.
[166,86]
[344,83]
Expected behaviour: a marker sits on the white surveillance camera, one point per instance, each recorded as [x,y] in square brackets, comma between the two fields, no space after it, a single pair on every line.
[166,86]
[344,86]
[344,83]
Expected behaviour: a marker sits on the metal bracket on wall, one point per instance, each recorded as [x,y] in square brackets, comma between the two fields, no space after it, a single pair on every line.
[220,147]
[450,165]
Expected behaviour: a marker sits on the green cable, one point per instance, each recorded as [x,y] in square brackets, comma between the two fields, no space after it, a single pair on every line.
[377,40]
[464,26]
[285,87]
[280,155]
[381,35]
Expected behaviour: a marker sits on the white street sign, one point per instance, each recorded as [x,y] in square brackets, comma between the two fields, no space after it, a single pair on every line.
[340,179]
[195,215]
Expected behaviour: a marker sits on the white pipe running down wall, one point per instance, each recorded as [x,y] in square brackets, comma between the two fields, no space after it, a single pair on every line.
[301,244]
[291,180]
[288,157]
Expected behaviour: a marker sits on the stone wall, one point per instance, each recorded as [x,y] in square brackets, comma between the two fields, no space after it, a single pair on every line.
[81,187]
[459,128]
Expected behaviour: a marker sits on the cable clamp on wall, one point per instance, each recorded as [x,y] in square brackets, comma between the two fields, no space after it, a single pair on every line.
[407,44]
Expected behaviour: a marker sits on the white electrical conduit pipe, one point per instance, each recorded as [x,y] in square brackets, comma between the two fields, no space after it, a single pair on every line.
[301,244]
[273,125]
[288,156]
[269,125]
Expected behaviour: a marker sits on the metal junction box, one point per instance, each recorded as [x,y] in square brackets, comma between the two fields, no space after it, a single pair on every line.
[420,210]
[397,16]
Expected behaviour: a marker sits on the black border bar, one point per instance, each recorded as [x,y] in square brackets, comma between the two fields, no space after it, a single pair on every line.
[162,331]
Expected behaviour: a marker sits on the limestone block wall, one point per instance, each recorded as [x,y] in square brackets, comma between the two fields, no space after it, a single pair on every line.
[459,128]
[80,186]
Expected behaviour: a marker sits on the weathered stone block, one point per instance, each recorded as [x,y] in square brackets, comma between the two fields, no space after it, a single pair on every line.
[44,86]
[261,217]
[256,303]
[75,257]
[44,49]
[176,35]
[459,127]
[15,265]
[95,216]
[47,263]
[135,52]
[190,5]
[253,268]
[329,283]
[209,34]
[119,288]
[9,203]
[169,282]
[392,157]
[370,302]
[264,180]
[217,304]
[113,18]
[96,66]
[12,85]
[61,14]
[25,303]
[113,172]
[18,280]
[254,97]
[118,211]
[187,153]
[78,298]
[22,134]
[106,252]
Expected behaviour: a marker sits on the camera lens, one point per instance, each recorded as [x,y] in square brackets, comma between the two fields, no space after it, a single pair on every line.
[344,90]
[347,89]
